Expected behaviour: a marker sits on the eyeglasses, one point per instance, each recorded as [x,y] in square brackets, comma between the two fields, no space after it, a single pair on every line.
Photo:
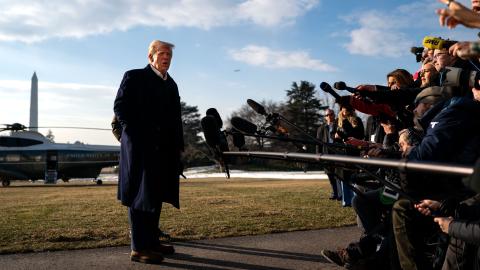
[438,55]
[329,114]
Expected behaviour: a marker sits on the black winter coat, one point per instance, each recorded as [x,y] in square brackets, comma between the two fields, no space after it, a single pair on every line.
[148,108]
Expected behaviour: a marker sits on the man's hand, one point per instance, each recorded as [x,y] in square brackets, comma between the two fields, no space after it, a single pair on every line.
[443,222]
[456,14]
[427,206]
[366,87]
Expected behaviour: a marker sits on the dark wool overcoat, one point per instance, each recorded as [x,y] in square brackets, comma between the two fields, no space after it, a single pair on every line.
[148,108]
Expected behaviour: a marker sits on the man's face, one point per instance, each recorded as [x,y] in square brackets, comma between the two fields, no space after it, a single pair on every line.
[161,59]
[442,59]
[329,116]
[403,143]
[421,109]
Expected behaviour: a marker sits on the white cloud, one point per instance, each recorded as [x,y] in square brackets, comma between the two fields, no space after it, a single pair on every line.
[385,33]
[33,21]
[378,35]
[274,12]
[266,57]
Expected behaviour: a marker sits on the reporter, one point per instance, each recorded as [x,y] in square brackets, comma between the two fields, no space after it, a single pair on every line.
[349,125]
[446,140]
[429,76]
[464,230]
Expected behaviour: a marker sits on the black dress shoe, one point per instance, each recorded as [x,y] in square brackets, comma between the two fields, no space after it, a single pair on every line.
[146,256]
[164,249]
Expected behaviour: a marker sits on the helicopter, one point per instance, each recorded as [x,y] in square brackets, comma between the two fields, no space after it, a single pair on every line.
[28,155]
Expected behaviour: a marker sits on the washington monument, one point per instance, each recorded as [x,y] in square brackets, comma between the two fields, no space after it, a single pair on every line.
[34,103]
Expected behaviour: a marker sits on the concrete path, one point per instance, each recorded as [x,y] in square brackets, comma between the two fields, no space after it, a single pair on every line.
[293,250]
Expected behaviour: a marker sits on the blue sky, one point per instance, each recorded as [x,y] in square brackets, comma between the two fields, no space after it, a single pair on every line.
[81,48]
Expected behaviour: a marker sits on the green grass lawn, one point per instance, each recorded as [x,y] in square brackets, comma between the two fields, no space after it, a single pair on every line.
[36,217]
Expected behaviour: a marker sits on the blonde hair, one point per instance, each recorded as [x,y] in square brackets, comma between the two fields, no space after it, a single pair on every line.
[156,44]
[351,117]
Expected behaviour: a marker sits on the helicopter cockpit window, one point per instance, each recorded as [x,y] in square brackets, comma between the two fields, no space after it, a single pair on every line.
[17,142]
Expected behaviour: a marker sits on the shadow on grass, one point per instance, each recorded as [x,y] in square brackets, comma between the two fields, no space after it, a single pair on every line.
[60,185]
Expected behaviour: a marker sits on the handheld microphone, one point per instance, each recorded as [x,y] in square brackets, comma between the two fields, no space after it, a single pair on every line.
[243,125]
[327,88]
[342,86]
[213,112]
[434,43]
[257,107]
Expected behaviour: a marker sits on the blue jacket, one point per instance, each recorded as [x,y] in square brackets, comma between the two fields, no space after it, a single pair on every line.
[452,136]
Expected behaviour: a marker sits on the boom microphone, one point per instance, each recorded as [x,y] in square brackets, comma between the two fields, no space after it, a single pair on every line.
[434,43]
[243,125]
[327,88]
[342,86]
[257,107]
[213,112]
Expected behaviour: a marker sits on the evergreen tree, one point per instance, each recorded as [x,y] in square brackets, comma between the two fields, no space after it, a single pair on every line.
[303,107]
[195,148]
[50,136]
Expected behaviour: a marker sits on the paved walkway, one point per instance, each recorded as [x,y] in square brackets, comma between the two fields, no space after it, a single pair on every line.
[293,250]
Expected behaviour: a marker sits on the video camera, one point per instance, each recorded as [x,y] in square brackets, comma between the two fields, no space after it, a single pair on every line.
[461,78]
[418,51]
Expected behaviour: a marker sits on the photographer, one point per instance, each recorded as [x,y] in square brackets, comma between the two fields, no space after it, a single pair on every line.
[446,140]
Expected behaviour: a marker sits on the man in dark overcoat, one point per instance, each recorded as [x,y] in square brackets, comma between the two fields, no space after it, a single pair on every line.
[148,108]
[326,133]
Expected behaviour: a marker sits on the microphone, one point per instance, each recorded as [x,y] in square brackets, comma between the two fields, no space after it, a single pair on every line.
[213,112]
[238,140]
[342,86]
[210,131]
[416,50]
[327,88]
[257,107]
[434,43]
[243,125]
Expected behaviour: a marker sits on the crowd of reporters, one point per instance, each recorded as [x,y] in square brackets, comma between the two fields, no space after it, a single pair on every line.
[429,221]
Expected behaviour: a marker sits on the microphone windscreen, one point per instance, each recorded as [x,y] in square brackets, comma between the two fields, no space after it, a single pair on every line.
[433,43]
[340,85]
[327,88]
[257,107]
[243,125]
[416,50]
[238,140]
[210,130]
[213,112]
